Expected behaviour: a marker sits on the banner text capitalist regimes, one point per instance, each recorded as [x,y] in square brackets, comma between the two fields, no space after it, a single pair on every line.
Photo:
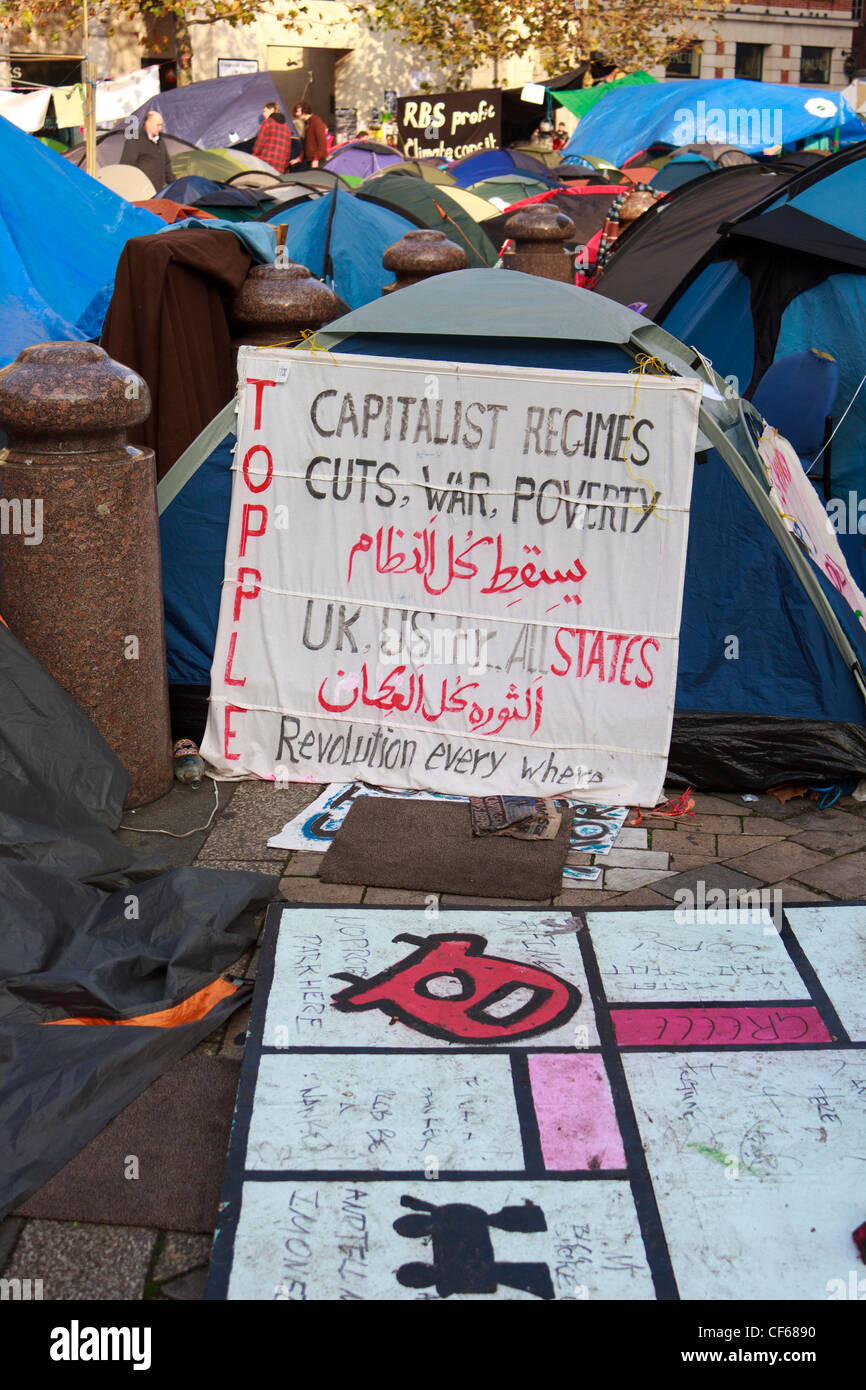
[548,432]
[457,557]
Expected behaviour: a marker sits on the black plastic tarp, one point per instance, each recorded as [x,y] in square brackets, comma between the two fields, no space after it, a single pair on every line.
[90,930]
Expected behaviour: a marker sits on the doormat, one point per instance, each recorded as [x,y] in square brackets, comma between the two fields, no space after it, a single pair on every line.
[513,1104]
[176,1132]
[429,846]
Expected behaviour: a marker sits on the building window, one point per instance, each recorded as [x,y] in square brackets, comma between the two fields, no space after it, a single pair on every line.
[684,64]
[815,66]
[749,61]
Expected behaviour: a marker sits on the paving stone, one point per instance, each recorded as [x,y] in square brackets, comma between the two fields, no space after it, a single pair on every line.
[684,841]
[397,897]
[210,1047]
[831,841]
[83,1261]
[778,810]
[631,838]
[762,825]
[624,880]
[570,897]
[461,900]
[10,1230]
[778,861]
[708,805]
[793,892]
[729,845]
[235,1036]
[188,1288]
[710,825]
[587,885]
[842,821]
[313,890]
[712,876]
[258,811]
[636,859]
[842,878]
[181,1253]
[304,862]
[681,863]
[180,810]
[248,866]
[641,897]
[579,858]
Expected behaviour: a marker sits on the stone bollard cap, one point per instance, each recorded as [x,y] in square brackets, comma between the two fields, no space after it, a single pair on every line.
[70,388]
[539,224]
[636,204]
[282,295]
[423,252]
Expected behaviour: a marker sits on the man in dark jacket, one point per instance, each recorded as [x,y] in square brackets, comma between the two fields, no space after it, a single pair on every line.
[148,153]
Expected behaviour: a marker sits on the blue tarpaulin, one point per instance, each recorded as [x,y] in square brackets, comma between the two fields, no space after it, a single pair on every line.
[754,116]
[216,114]
[61,235]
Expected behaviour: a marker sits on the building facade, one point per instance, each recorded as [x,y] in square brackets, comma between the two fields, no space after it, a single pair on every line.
[781,42]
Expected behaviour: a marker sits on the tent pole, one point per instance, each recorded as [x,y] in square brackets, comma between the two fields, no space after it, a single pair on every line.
[89,113]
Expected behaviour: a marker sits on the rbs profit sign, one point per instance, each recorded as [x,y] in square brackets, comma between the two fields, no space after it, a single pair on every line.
[451,125]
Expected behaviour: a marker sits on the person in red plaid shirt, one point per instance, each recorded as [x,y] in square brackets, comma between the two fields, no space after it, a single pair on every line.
[274,141]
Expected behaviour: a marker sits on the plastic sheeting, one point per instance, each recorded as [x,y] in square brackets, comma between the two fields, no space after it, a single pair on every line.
[94,931]
[61,235]
[755,115]
[223,111]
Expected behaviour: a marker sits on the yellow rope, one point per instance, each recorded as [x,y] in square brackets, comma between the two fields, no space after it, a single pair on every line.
[307,340]
[643,364]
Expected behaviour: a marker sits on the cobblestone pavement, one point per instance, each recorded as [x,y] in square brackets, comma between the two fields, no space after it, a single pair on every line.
[809,855]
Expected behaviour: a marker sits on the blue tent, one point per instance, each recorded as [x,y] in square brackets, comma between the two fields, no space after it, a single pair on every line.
[754,116]
[342,239]
[491,164]
[789,276]
[790,708]
[221,112]
[61,235]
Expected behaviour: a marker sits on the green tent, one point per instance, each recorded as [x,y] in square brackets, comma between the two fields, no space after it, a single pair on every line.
[218,165]
[429,205]
[422,169]
[583,100]
[509,188]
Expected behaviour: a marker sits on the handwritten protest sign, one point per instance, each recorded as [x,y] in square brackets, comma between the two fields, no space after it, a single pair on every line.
[464,579]
[800,508]
[449,125]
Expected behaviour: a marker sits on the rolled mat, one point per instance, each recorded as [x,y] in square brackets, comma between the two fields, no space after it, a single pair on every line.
[428,846]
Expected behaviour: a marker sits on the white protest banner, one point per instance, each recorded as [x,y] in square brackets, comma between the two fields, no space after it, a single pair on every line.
[117,97]
[463,579]
[800,508]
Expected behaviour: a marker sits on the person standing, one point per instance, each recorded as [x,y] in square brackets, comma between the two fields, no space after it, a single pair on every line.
[273,143]
[315,136]
[146,151]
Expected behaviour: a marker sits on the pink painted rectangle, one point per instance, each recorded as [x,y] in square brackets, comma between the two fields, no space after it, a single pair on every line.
[719,1023]
[576,1119]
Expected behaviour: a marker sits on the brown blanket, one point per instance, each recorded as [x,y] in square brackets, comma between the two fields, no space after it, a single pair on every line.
[167,321]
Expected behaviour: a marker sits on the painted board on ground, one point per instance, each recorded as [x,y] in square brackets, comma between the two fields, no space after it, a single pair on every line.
[544,1105]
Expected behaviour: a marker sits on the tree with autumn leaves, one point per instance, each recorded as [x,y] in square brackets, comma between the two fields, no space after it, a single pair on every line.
[460,36]
[52,19]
